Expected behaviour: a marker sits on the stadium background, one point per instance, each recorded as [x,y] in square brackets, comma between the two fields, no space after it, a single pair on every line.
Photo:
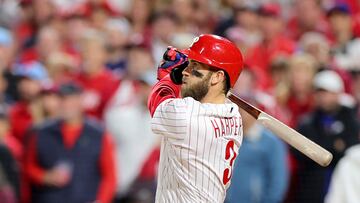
[110,48]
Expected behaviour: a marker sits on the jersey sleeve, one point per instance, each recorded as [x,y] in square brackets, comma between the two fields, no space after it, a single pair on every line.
[171,118]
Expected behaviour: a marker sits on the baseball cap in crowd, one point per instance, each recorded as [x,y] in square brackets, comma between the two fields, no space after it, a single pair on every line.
[70,88]
[339,9]
[329,81]
[270,9]
[6,38]
[32,70]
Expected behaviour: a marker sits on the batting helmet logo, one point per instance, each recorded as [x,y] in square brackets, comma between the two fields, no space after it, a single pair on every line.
[196,39]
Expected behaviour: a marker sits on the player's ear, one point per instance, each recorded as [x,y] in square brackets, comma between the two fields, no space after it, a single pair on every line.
[217,77]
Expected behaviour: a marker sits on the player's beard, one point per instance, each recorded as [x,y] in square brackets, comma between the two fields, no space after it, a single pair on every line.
[198,90]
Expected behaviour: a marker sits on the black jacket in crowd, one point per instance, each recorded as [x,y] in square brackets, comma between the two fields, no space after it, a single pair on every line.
[335,132]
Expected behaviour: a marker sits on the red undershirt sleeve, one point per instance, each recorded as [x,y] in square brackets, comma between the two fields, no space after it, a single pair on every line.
[162,90]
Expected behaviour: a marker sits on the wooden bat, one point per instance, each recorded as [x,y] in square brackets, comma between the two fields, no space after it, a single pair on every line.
[289,135]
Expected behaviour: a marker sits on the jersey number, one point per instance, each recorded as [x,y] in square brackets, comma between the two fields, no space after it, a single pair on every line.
[230,155]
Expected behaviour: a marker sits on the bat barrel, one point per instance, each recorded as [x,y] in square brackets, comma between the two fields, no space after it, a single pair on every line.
[289,135]
[296,140]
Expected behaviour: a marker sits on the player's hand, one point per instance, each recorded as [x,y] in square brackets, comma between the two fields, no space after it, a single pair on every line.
[174,62]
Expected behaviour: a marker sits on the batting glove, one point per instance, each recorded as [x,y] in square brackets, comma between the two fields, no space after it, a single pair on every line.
[173,63]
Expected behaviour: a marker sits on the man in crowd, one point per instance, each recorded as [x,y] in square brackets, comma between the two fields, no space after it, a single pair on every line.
[71,159]
[345,45]
[332,126]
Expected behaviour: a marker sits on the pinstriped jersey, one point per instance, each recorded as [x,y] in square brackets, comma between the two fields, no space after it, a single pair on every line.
[200,142]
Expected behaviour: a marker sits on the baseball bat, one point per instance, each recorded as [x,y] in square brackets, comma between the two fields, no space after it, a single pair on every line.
[289,135]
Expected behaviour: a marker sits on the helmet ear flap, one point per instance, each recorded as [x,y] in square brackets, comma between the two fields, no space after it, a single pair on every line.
[176,73]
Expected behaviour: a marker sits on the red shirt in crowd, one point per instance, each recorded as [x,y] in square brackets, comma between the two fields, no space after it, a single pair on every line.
[260,57]
[295,30]
[98,89]
[20,120]
[298,109]
[70,135]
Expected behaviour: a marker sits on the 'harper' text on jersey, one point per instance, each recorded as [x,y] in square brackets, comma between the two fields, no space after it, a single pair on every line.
[226,126]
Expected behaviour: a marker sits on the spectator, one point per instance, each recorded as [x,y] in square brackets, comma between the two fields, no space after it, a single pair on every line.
[25,112]
[9,173]
[50,103]
[44,11]
[7,139]
[185,15]
[245,33]
[303,20]
[75,26]
[161,38]
[204,18]
[100,12]
[332,126]
[345,180]
[139,17]
[300,101]
[8,13]
[345,47]
[279,70]
[6,48]
[260,174]
[274,44]
[140,62]
[318,46]
[9,150]
[48,42]
[61,67]
[71,159]
[117,32]
[7,54]
[93,74]
[127,109]
[35,14]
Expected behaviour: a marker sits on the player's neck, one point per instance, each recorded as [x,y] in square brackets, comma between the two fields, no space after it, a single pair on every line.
[214,98]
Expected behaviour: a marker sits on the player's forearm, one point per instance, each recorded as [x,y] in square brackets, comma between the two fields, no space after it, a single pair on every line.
[162,90]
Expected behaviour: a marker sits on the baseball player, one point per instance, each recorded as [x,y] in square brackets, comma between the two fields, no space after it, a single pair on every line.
[201,129]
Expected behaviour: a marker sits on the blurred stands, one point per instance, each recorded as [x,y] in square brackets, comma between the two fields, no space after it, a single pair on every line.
[110,48]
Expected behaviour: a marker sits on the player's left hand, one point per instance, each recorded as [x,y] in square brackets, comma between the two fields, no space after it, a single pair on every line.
[173,63]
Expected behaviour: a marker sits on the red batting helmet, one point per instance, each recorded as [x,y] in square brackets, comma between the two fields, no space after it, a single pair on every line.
[218,52]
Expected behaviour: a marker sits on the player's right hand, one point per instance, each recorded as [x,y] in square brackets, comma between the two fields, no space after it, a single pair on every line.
[173,63]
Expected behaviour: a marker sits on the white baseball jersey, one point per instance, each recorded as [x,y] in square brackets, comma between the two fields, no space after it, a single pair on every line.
[199,145]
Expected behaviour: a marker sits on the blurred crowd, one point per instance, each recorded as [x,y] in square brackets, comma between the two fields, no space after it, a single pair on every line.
[76,74]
